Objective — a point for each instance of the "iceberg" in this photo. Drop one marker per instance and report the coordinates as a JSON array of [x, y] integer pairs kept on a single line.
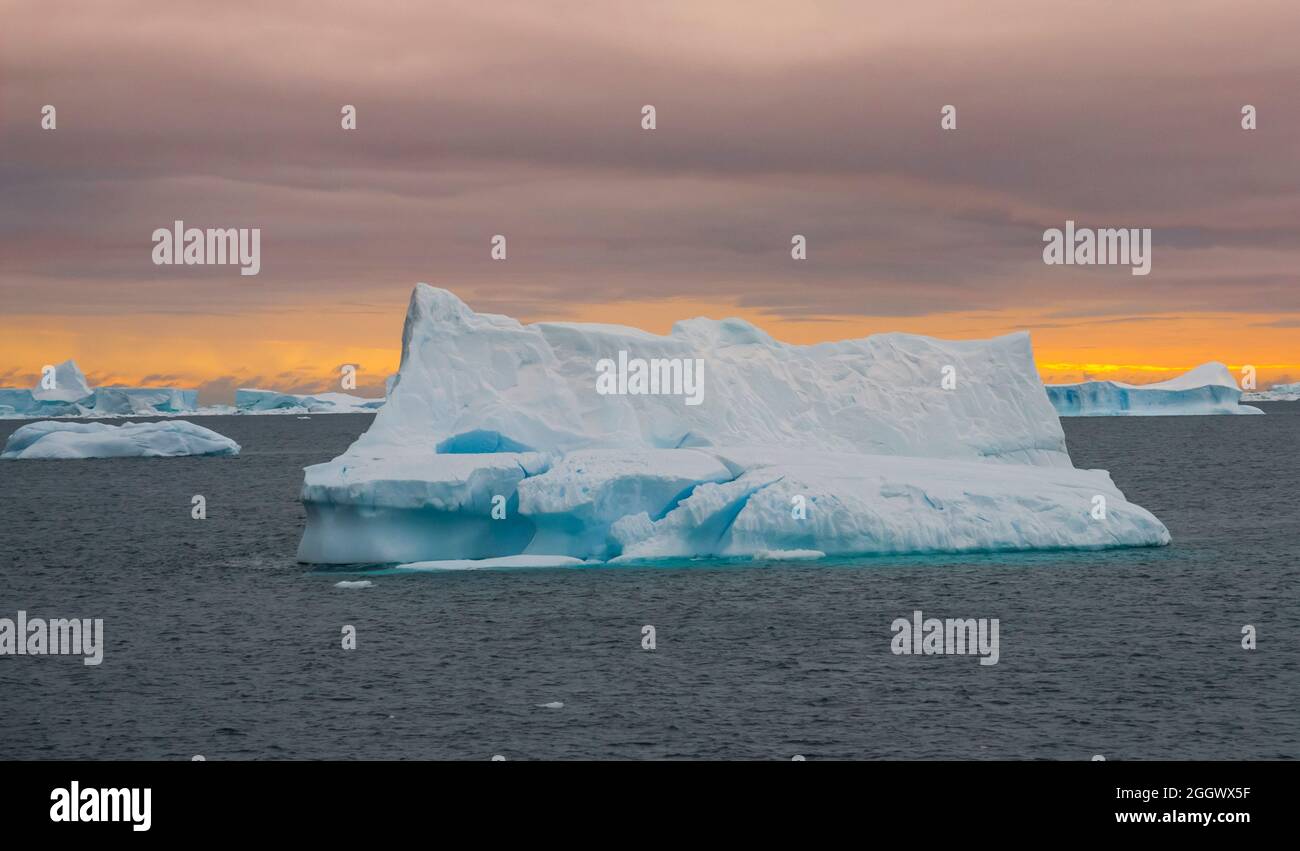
[[1207, 389], [71, 396], [65, 440], [250, 400], [69, 385], [1277, 393], [143, 401], [18, 402], [495, 443], [63, 399]]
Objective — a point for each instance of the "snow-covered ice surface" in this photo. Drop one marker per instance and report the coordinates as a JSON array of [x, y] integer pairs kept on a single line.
[[1207, 389], [254, 401], [495, 443], [1276, 393], [67, 440]]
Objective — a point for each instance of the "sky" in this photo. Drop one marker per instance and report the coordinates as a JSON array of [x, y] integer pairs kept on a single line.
[[524, 119]]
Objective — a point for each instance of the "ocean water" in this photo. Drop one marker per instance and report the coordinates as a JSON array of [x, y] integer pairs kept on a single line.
[[218, 643]]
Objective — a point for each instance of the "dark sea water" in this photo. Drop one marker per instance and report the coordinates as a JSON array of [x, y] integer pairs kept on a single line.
[[218, 643]]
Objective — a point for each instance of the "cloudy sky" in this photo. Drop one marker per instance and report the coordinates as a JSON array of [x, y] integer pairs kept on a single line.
[[524, 119]]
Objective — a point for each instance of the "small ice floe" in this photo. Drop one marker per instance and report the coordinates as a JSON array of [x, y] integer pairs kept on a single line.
[[502, 561], [361, 583], [171, 439], [554, 704], [788, 555], [304, 418]]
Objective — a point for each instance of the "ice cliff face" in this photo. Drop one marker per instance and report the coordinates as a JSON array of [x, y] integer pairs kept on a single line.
[[502, 439], [465, 376], [1207, 389]]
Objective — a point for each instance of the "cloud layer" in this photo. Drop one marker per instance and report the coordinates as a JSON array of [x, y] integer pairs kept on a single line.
[[523, 119]]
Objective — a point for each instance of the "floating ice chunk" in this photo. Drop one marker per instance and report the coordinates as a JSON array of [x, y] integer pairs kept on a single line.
[[131, 440], [363, 583], [554, 704], [494, 442], [485, 563], [1207, 389], [788, 555]]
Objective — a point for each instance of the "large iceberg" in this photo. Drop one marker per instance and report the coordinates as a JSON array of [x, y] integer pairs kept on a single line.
[[502, 439], [1207, 389], [64, 440], [250, 400], [72, 396]]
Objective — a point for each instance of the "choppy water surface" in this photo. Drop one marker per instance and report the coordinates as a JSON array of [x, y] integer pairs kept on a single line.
[[219, 644]]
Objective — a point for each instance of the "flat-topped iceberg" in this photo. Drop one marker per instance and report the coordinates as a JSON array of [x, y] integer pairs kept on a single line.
[[603, 442], [66, 440], [250, 400], [1207, 389], [143, 401]]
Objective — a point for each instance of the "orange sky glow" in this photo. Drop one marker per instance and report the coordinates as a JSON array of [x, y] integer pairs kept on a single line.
[[219, 353]]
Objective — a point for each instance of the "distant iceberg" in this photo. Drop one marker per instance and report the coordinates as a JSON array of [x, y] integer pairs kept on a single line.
[[1207, 389], [66, 398], [143, 401], [1276, 393], [65, 440], [69, 385], [71, 396], [253, 401], [496, 442]]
